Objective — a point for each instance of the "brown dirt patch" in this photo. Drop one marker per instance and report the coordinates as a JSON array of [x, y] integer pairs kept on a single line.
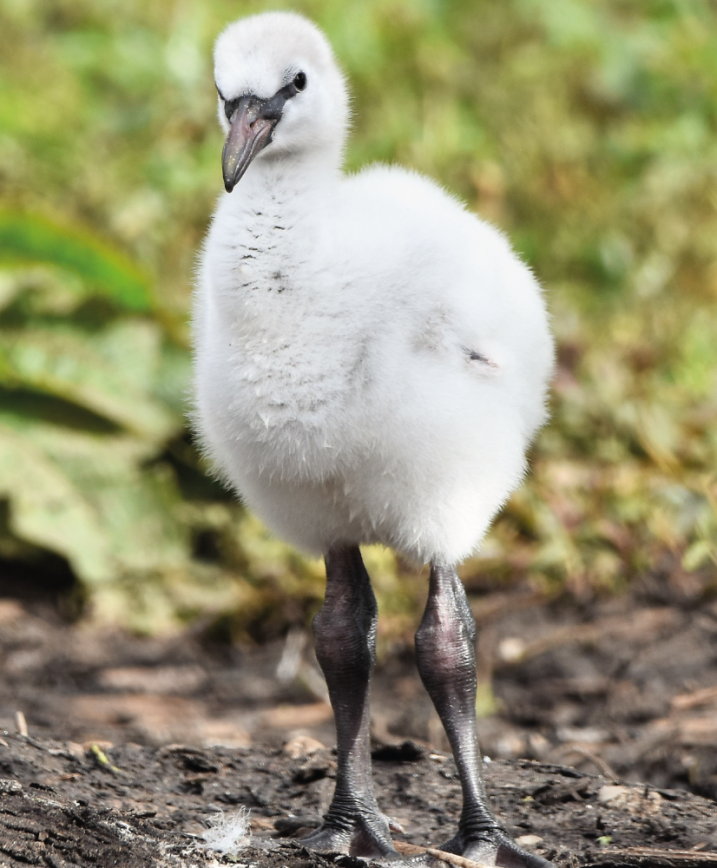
[[131, 805], [625, 686]]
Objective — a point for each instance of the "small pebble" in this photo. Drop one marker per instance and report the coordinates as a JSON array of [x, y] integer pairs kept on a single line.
[[301, 746], [528, 840], [511, 649]]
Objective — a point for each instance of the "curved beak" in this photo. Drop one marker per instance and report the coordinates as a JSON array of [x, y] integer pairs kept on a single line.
[[252, 124]]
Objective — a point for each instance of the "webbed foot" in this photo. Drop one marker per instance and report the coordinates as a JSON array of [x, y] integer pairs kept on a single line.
[[359, 832], [495, 847]]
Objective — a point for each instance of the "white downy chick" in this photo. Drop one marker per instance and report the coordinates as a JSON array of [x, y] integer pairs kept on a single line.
[[372, 360]]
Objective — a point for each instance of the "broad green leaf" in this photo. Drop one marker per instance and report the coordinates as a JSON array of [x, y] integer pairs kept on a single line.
[[133, 506], [136, 502], [48, 510], [65, 363], [29, 238]]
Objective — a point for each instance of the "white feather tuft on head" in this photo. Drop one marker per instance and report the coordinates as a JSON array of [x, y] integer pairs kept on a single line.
[[262, 53]]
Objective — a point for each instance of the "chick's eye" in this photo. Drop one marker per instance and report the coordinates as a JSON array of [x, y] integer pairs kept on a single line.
[[300, 80]]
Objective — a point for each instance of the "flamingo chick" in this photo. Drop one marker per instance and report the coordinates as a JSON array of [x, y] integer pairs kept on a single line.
[[371, 363]]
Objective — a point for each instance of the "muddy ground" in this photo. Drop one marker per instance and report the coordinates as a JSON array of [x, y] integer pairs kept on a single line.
[[134, 744], [62, 805]]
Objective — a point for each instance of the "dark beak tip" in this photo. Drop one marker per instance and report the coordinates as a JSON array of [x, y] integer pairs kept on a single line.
[[246, 137]]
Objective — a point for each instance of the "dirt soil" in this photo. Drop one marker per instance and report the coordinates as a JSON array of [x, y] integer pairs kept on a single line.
[[62, 805], [134, 744]]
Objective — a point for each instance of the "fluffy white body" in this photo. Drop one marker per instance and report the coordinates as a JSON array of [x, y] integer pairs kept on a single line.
[[371, 359]]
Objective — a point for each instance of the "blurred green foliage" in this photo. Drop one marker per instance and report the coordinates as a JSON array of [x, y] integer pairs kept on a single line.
[[585, 129]]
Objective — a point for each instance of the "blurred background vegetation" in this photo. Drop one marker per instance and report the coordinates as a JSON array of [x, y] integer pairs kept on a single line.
[[585, 129]]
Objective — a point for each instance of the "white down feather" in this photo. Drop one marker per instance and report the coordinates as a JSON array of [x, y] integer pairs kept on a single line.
[[372, 360]]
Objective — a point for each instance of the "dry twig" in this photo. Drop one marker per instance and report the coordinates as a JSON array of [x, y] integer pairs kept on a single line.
[[414, 850], [603, 767]]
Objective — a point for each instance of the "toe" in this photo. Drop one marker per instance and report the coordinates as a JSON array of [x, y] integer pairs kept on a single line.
[[367, 840], [368, 845], [501, 851], [328, 840]]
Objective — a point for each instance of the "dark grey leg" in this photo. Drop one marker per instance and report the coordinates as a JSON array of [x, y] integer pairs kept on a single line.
[[345, 631], [445, 653]]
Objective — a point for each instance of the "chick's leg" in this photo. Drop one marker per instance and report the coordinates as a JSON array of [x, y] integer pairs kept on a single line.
[[445, 653], [345, 631]]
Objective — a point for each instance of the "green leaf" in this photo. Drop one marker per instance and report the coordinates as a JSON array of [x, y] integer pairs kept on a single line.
[[85, 370], [30, 239], [48, 510], [78, 493], [135, 502], [697, 554]]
